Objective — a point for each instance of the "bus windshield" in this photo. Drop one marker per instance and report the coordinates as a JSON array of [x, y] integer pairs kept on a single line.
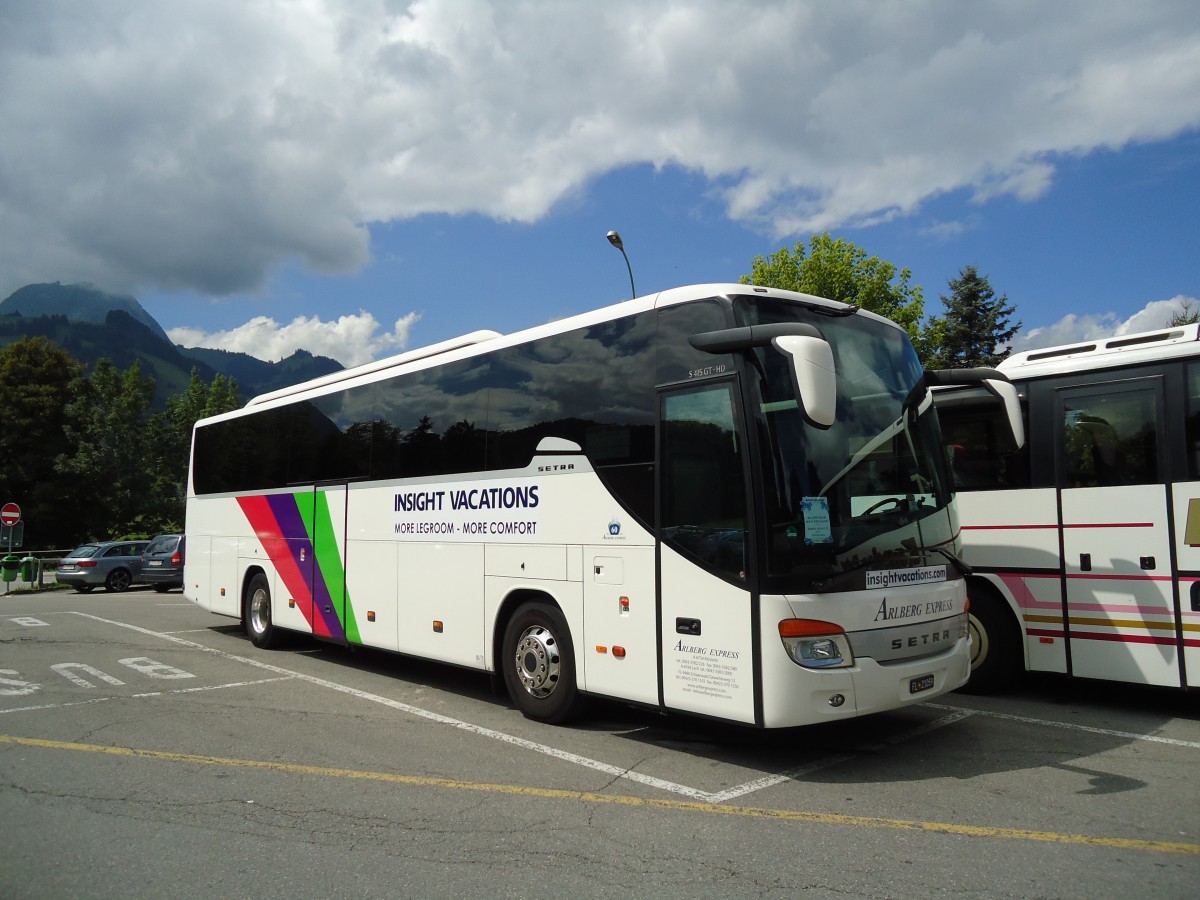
[[871, 491]]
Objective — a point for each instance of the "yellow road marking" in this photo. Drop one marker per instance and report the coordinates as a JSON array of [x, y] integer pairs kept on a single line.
[[787, 815]]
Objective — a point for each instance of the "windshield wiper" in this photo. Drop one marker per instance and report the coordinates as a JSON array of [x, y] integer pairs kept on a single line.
[[962, 567]]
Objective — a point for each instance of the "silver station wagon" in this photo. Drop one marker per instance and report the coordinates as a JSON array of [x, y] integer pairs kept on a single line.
[[114, 564]]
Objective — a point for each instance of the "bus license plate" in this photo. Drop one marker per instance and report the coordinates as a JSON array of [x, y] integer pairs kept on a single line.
[[923, 683]]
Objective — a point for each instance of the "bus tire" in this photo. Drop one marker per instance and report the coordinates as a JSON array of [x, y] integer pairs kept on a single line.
[[997, 659], [538, 662], [256, 613]]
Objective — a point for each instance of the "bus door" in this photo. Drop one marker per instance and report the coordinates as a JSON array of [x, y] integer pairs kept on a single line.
[[322, 560], [705, 607], [1120, 603], [281, 523]]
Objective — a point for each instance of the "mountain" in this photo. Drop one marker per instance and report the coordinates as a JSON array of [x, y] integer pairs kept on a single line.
[[91, 324], [268, 376], [78, 302]]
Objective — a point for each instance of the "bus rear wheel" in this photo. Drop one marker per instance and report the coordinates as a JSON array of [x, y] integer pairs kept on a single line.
[[997, 660], [256, 613], [538, 662]]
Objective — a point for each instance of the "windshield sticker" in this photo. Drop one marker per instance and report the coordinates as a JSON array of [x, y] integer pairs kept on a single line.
[[885, 578], [817, 529]]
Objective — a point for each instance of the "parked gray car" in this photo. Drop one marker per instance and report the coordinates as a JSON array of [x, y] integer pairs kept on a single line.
[[114, 564], [162, 562]]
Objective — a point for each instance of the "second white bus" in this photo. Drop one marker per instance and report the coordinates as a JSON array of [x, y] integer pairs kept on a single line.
[[1085, 544]]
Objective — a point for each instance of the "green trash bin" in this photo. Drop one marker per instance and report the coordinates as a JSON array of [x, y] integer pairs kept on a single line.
[[29, 569], [10, 568]]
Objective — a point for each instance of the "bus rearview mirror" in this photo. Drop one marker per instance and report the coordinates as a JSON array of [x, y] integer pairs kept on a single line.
[[1006, 392], [813, 376], [996, 383], [814, 379]]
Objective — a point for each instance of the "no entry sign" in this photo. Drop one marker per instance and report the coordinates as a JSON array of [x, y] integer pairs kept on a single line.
[[10, 514]]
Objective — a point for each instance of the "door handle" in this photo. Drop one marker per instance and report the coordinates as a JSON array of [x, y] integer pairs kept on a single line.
[[687, 626], [1085, 562]]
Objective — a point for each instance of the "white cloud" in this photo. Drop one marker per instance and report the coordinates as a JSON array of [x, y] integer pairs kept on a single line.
[[351, 340], [1076, 328], [199, 145], [944, 231]]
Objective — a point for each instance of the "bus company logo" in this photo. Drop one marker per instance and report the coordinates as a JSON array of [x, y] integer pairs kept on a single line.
[[941, 635], [614, 531]]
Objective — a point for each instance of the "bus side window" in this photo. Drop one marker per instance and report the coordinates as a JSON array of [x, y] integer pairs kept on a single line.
[[1094, 458], [1110, 440], [1192, 424], [703, 490]]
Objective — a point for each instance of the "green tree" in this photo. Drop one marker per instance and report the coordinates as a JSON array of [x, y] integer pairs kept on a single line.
[[37, 381], [975, 329], [1187, 314], [169, 443], [107, 464], [838, 269], [78, 453]]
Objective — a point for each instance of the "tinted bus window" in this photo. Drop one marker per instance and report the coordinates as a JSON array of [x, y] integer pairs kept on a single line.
[[331, 437], [593, 386], [1193, 421], [1110, 438], [678, 360], [430, 422], [245, 454], [704, 493]]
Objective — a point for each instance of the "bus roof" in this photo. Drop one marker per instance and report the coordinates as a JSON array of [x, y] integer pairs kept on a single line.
[[461, 346], [1146, 346], [466, 340]]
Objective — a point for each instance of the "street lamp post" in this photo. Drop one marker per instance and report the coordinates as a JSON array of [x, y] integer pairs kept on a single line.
[[615, 240]]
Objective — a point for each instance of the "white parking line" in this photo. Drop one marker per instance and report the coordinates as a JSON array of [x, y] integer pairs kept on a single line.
[[190, 631], [1072, 726]]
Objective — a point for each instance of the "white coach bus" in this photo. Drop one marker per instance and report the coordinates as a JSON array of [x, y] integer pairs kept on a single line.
[[1085, 544], [629, 503]]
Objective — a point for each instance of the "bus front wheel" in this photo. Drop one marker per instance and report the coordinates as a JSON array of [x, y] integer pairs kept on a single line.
[[538, 661], [256, 613], [997, 659]]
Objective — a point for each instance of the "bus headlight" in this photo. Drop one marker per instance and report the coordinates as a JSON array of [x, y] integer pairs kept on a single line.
[[815, 644]]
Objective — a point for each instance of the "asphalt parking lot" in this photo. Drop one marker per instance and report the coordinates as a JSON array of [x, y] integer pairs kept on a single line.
[[148, 749]]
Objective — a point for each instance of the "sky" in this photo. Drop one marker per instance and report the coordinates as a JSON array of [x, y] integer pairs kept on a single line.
[[360, 178]]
